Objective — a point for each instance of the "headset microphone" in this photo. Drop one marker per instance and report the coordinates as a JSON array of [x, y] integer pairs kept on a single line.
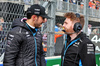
[[60, 25], [68, 32], [77, 28]]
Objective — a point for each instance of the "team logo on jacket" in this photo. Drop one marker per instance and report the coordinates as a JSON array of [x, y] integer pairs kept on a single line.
[[90, 49], [27, 34], [10, 37], [76, 44]]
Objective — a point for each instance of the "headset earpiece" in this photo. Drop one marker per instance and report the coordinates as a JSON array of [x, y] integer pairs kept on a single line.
[[77, 27]]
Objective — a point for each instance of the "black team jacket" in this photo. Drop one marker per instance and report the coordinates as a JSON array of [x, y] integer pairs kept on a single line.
[[21, 49], [81, 49]]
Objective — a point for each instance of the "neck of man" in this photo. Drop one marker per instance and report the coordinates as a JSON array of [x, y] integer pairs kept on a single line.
[[73, 36], [30, 22]]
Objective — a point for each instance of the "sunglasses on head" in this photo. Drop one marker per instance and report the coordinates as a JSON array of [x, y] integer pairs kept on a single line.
[[77, 15]]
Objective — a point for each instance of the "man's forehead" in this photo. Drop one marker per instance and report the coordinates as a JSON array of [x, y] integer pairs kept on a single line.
[[67, 20]]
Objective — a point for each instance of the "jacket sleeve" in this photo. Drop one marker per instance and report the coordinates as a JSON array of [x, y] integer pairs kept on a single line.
[[43, 62], [12, 49], [87, 54]]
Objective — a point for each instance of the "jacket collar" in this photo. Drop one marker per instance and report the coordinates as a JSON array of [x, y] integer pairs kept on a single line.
[[81, 35]]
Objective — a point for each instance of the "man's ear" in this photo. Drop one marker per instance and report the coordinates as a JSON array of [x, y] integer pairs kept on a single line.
[[34, 17]]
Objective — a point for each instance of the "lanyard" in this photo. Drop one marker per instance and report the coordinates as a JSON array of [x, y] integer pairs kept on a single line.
[[35, 41], [31, 30], [65, 48]]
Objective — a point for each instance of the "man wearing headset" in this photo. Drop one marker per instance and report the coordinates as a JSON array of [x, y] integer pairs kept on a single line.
[[78, 49], [24, 41]]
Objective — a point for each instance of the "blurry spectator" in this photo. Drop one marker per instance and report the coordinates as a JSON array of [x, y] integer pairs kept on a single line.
[[58, 33], [45, 39], [57, 28], [1, 34], [97, 4], [79, 2], [45, 42], [72, 1], [89, 30], [1, 28], [60, 26], [92, 4], [27, 1], [95, 31], [76, 1], [82, 2], [65, 0], [1, 19]]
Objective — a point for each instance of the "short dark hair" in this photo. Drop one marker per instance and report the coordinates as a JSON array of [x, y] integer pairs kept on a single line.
[[28, 15]]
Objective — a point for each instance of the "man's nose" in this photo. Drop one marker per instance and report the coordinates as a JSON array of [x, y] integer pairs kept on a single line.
[[63, 25], [45, 20]]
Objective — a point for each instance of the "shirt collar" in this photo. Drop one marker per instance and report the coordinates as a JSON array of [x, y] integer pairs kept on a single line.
[[31, 26]]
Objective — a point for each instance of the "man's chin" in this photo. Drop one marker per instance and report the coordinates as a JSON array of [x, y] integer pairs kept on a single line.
[[39, 26]]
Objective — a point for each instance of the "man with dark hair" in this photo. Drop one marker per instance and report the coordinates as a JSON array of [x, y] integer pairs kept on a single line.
[[24, 41], [78, 49], [2, 36]]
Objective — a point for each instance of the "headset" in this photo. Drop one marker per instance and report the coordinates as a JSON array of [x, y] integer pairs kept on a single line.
[[77, 27]]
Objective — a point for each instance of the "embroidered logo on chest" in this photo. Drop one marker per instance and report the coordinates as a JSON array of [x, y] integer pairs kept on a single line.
[[76, 44], [27, 34]]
